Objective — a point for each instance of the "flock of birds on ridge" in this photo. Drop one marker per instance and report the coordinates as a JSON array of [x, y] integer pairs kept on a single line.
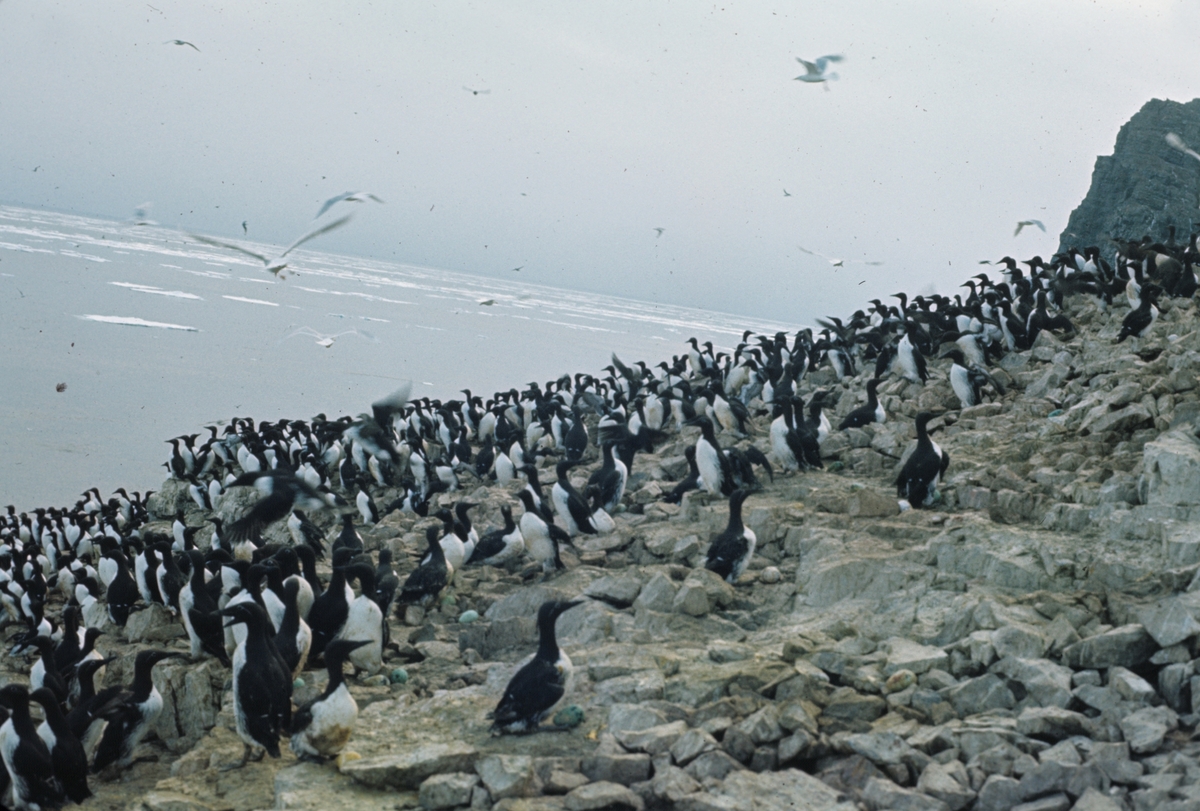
[[262, 609]]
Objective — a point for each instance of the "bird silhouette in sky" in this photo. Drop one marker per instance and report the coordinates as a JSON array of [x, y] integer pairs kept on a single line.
[[181, 42], [837, 263], [347, 197], [475, 92], [277, 264], [1024, 223], [818, 72]]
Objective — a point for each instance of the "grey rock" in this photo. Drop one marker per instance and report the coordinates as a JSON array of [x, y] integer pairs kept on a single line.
[[691, 599], [1127, 646], [447, 790], [619, 590], [1113, 759], [1047, 684], [716, 764], [793, 716], [1063, 752], [1052, 723], [1045, 778], [938, 781], [1093, 800], [508, 776], [738, 744], [672, 784], [987, 692], [653, 740], [615, 768], [691, 744], [1055, 802], [1087, 776], [1019, 641], [881, 748], [847, 705], [1170, 621], [904, 654], [1129, 685], [884, 795], [1173, 681], [871, 503], [763, 725], [152, 624], [657, 595], [630, 717], [797, 745], [1146, 728], [407, 770], [1171, 465], [998, 793], [598, 795], [769, 791]]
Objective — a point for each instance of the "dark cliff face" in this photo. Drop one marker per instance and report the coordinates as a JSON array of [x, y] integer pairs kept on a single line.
[[1145, 186]]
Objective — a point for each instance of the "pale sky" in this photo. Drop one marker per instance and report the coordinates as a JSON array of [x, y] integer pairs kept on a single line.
[[949, 123]]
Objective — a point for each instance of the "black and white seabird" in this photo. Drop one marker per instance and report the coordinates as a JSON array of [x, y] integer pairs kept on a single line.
[[918, 480], [138, 710], [426, 582], [570, 505], [542, 537], [499, 546], [871, 411], [537, 688], [26, 758], [262, 685], [322, 727], [1139, 321], [66, 752], [730, 552], [364, 621]]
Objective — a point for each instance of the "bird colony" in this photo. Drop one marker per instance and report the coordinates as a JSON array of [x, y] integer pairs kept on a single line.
[[807, 566]]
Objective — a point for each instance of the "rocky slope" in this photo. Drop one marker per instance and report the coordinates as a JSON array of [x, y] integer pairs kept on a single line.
[[1145, 185], [1029, 643]]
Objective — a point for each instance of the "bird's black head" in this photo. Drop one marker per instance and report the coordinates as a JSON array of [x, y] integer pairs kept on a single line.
[[149, 658], [13, 695], [552, 609], [250, 613]]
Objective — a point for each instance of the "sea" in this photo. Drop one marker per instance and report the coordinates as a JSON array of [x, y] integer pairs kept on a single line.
[[116, 336]]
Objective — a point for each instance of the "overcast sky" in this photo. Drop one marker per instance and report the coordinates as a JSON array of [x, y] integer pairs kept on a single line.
[[950, 122]]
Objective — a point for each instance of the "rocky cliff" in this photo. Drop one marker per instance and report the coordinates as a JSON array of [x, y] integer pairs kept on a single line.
[[1145, 186]]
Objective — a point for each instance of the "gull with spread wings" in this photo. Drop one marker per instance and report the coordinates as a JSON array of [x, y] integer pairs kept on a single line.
[[837, 263], [818, 72], [327, 340], [1024, 223], [347, 197], [277, 264]]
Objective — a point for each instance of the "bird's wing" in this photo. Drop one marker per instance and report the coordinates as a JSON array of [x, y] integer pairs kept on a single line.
[[332, 201], [394, 402], [1038, 223], [309, 331], [219, 244], [316, 232], [1178, 143], [825, 60], [1020, 225], [812, 70]]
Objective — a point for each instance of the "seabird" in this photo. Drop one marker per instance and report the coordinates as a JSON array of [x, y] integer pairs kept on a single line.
[[730, 552], [346, 197], [816, 72], [276, 265], [322, 727], [1024, 223], [918, 480], [535, 689], [181, 42]]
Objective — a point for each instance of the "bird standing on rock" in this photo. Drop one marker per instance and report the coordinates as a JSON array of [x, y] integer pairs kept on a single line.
[[918, 480], [322, 727], [262, 685], [537, 688], [731, 551]]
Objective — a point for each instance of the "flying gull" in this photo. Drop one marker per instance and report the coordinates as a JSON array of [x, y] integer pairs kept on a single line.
[[181, 42], [1178, 143], [837, 263], [815, 72], [276, 265], [1024, 223], [475, 92], [660, 232], [347, 197], [327, 340]]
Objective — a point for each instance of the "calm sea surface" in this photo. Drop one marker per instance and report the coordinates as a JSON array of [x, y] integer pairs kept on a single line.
[[155, 335]]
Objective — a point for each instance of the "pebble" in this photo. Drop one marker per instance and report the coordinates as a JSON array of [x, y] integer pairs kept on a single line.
[[770, 574], [469, 616]]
